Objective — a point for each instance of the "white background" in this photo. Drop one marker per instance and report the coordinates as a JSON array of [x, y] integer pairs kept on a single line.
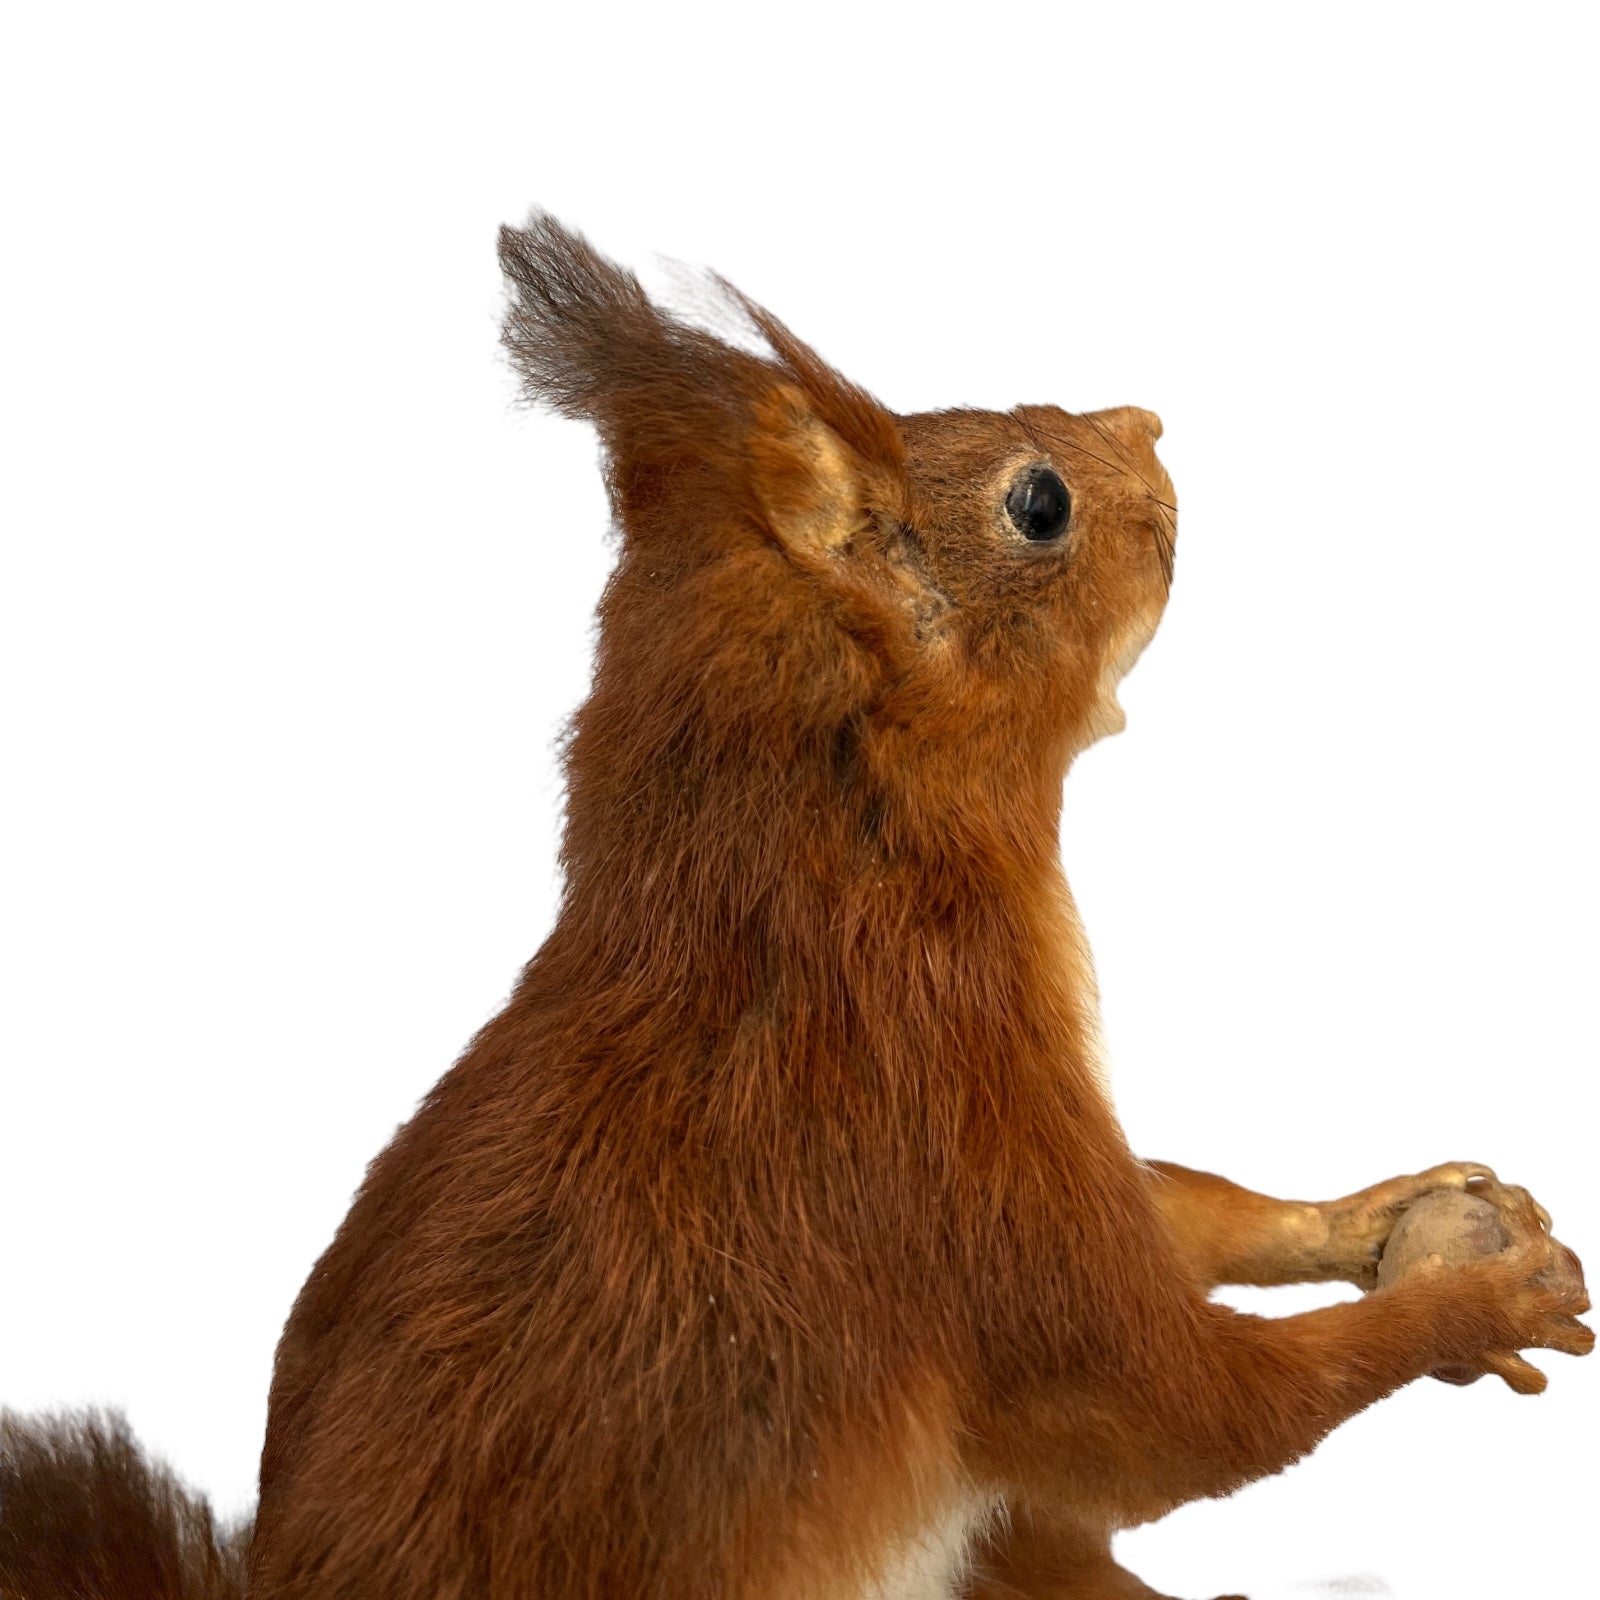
[[296, 600]]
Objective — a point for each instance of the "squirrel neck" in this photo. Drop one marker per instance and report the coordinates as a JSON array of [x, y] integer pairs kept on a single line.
[[781, 890], [777, 852]]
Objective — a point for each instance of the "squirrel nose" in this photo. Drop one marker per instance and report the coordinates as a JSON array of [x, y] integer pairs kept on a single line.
[[1131, 424]]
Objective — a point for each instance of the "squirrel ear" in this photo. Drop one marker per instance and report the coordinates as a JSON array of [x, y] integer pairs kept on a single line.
[[686, 418], [827, 453], [811, 491]]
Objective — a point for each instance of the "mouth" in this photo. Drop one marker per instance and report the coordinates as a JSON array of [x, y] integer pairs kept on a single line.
[[1107, 717]]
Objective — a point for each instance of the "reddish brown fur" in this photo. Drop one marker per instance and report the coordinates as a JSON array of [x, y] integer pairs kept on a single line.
[[84, 1517], [780, 1218]]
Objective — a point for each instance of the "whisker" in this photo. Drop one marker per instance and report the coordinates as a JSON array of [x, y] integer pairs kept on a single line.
[[1127, 460]]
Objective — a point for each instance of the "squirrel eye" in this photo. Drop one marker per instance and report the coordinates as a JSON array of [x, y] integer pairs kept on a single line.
[[1038, 504]]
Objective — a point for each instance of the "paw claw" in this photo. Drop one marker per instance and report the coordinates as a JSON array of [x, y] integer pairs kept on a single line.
[[1520, 1376], [1572, 1337]]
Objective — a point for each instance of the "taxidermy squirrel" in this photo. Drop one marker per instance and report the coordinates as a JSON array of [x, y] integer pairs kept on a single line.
[[777, 1239]]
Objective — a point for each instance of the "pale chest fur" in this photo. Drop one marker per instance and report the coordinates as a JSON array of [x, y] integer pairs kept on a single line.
[[938, 1562]]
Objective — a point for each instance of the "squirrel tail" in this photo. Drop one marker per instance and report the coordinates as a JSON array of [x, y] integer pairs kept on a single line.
[[84, 1513]]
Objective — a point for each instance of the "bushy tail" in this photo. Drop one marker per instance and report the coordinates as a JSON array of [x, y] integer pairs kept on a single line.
[[85, 1516]]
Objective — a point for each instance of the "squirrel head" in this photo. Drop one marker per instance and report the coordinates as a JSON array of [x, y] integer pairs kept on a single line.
[[931, 610]]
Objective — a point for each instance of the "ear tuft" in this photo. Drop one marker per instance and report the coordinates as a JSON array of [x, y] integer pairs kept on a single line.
[[586, 338], [569, 305], [683, 415]]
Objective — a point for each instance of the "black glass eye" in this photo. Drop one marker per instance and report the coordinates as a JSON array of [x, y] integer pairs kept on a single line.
[[1038, 504]]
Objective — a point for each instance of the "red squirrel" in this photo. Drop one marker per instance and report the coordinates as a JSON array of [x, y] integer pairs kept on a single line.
[[778, 1239]]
